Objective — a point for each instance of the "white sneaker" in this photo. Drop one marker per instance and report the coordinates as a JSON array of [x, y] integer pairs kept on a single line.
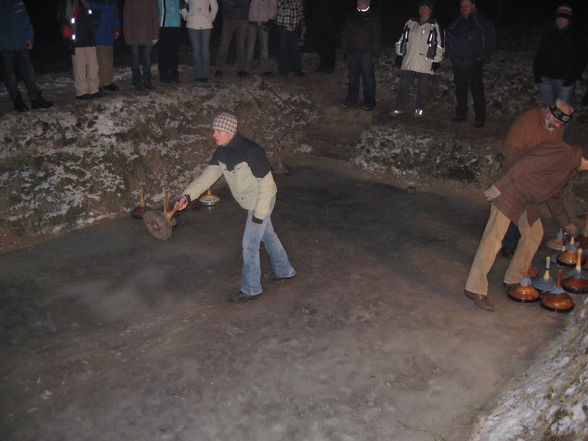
[[418, 113], [396, 113]]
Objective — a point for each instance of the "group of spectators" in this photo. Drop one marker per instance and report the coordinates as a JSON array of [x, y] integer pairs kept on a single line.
[[90, 28]]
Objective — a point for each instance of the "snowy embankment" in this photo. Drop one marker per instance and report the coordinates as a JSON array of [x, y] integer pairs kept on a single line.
[[72, 166]]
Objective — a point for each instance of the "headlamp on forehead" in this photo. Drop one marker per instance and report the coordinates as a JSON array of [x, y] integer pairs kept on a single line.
[[559, 115]]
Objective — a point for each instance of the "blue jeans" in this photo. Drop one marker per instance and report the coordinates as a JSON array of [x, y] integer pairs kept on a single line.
[[252, 237], [145, 78], [20, 58], [200, 41], [551, 89], [360, 65]]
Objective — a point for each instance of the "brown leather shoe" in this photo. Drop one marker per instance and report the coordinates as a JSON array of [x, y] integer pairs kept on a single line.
[[480, 300]]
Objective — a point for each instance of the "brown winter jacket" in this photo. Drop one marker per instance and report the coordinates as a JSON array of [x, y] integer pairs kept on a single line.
[[140, 21], [536, 177], [526, 132]]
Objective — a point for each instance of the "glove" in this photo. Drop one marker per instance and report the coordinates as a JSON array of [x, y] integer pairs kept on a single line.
[[398, 61], [116, 33], [435, 67], [491, 193], [567, 83], [66, 31], [571, 229]]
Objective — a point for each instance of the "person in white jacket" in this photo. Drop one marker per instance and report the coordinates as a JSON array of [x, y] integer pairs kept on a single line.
[[199, 16], [261, 15], [419, 51]]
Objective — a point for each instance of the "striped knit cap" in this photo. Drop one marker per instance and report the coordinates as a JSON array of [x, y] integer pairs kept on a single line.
[[227, 122], [564, 11]]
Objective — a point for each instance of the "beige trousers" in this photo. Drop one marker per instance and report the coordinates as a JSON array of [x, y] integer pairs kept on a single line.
[[105, 61], [490, 244], [85, 70]]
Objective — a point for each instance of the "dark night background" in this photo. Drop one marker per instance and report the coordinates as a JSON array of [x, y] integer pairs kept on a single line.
[[519, 25]]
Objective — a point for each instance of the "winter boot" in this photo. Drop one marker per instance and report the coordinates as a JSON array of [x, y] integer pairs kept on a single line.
[[19, 104], [40, 103]]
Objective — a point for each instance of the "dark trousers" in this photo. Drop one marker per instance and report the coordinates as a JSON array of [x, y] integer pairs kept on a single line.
[[21, 58], [406, 80], [470, 79], [327, 49], [145, 78], [360, 65], [289, 58], [512, 236], [169, 49]]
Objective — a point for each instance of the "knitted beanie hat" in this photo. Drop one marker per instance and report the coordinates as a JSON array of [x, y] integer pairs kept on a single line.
[[227, 122], [564, 11]]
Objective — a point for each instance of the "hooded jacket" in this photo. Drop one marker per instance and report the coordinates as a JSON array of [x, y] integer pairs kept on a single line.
[[15, 25], [421, 45]]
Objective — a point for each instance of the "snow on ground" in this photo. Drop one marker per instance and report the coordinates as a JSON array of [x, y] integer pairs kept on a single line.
[[74, 164]]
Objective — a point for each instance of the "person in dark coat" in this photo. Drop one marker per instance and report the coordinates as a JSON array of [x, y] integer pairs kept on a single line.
[[471, 40], [16, 40], [289, 23], [536, 177], [560, 60], [326, 17], [361, 42], [141, 32], [107, 23], [235, 14]]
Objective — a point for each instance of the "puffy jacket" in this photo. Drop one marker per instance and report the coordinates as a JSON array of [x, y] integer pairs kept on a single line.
[[77, 26], [106, 21], [263, 10], [235, 9], [15, 26], [169, 13], [470, 40], [141, 21], [421, 45], [200, 14], [561, 54], [246, 169]]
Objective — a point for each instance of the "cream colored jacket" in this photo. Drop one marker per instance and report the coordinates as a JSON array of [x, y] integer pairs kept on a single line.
[[415, 58], [200, 14]]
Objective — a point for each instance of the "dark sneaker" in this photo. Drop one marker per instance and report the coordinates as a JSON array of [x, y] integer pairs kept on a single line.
[[300, 74], [480, 301], [202, 80], [458, 118], [241, 297], [218, 73], [84, 97], [98, 94], [242, 74], [148, 86], [267, 73], [111, 87], [41, 103], [139, 87], [345, 105], [479, 124], [272, 276], [19, 104], [367, 107]]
